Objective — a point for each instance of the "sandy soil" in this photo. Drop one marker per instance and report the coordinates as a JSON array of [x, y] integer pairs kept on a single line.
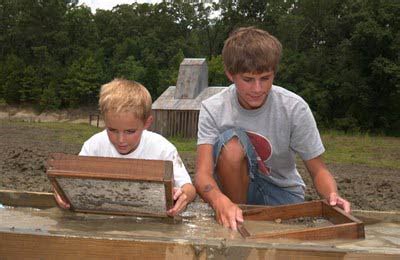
[[24, 152]]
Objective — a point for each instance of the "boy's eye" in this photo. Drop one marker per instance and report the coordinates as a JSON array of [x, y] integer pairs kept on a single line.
[[111, 130], [130, 131], [247, 79]]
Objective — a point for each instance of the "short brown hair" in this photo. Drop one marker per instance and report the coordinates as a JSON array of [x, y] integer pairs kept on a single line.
[[121, 95], [253, 50]]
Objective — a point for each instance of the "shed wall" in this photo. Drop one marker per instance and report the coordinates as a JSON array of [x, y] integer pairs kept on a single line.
[[182, 123]]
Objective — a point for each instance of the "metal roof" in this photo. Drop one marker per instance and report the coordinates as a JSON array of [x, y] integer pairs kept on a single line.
[[167, 100]]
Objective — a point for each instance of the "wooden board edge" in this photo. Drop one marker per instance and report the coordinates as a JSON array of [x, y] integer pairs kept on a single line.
[[121, 213], [44, 246], [56, 161], [68, 157], [60, 192], [305, 209], [243, 231], [17, 198], [337, 215], [93, 175], [344, 231]]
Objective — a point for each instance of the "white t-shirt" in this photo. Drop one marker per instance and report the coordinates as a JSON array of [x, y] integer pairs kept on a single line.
[[284, 120], [152, 146]]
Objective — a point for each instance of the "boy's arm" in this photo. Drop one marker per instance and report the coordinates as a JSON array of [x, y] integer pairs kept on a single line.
[[227, 213], [325, 184]]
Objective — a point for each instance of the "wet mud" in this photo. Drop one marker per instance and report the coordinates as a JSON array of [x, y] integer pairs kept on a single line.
[[24, 152]]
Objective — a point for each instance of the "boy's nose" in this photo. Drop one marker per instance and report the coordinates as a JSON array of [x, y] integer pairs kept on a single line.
[[257, 85], [121, 137]]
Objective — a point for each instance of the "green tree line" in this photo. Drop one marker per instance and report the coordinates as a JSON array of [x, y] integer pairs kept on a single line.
[[341, 56]]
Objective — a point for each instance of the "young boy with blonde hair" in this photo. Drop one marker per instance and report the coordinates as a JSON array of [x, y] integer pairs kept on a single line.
[[126, 109], [250, 133]]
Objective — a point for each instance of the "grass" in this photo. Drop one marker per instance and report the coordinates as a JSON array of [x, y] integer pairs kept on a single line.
[[184, 145], [76, 133], [374, 151], [364, 149]]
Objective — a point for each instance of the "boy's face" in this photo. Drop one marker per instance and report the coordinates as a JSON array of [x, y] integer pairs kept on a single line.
[[124, 130], [252, 89]]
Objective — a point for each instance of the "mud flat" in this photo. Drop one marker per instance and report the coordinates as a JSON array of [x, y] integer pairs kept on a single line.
[[24, 152]]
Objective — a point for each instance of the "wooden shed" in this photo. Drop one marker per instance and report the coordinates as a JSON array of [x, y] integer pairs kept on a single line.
[[176, 111]]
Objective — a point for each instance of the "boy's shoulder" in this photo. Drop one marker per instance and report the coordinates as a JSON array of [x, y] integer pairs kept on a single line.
[[99, 137], [153, 137], [286, 96], [222, 95], [278, 90], [150, 135]]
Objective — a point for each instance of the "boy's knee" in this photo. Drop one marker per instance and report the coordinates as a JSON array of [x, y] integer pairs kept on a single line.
[[232, 151]]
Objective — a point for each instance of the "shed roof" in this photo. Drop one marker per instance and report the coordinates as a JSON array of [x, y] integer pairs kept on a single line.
[[167, 100]]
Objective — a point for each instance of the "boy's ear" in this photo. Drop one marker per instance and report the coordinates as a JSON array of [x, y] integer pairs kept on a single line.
[[148, 122], [229, 75]]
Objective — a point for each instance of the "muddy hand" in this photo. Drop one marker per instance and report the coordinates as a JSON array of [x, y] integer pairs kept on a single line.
[[336, 200], [228, 213], [181, 201]]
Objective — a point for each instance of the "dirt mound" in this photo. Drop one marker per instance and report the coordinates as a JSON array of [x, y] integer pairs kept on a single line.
[[31, 115], [24, 152]]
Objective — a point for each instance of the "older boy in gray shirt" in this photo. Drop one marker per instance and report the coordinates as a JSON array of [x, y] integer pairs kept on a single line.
[[249, 135]]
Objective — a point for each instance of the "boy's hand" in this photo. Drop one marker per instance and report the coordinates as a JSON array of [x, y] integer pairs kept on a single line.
[[63, 204], [228, 213], [335, 200], [181, 201]]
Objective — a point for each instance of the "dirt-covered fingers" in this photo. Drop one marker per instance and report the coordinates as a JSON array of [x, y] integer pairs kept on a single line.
[[344, 204], [230, 217], [177, 193], [180, 203], [335, 200]]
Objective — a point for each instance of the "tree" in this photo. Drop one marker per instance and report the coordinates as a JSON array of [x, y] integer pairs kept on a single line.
[[130, 69], [50, 99], [216, 74], [13, 72], [81, 87]]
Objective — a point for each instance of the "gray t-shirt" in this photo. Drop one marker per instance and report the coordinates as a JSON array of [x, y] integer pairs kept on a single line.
[[285, 120]]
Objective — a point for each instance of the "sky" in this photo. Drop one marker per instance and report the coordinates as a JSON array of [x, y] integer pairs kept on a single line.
[[109, 4]]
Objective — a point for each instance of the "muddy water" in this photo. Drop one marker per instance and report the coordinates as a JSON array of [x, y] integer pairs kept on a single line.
[[57, 221], [196, 226]]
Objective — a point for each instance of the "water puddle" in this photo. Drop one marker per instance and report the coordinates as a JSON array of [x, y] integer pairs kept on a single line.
[[196, 224]]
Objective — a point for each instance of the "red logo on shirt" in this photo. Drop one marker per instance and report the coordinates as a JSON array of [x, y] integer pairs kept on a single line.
[[263, 149]]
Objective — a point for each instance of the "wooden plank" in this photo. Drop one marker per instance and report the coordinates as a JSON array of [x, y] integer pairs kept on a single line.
[[26, 246], [196, 121], [168, 188], [343, 231], [179, 123], [45, 246], [113, 168], [32, 199], [337, 215], [171, 121], [311, 209]]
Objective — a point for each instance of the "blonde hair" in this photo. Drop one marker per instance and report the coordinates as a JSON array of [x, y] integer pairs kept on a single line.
[[253, 50], [121, 95]]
